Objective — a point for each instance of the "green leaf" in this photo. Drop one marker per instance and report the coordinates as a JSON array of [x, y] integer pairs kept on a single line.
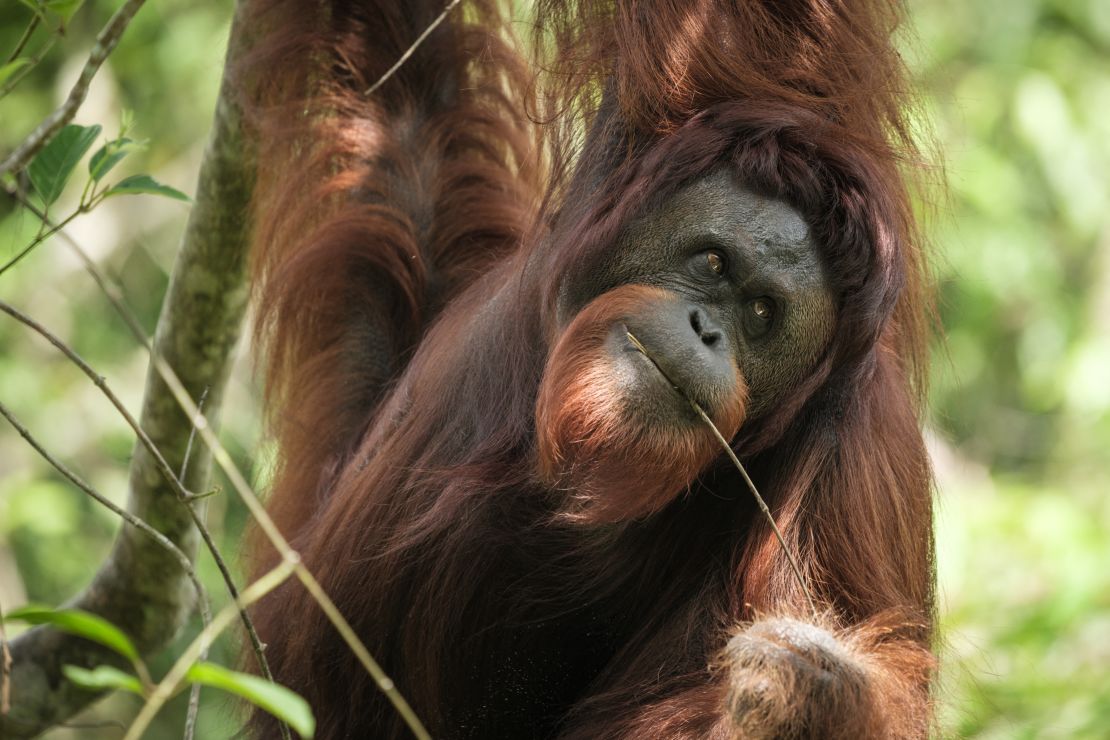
[[274, 698], [78, 622], [137, 184], [126, 121], [11, 68], [109, 155], [52, 167], [64, 8], [103, 677]]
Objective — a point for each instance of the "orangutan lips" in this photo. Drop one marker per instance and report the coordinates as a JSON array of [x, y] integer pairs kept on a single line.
[[735, 461]]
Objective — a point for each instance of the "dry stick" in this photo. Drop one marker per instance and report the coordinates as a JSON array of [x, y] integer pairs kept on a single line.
[[412, 49], [106, 41], [165, 689], [192, 435], [160, 463], [127, 516], [331, 611], [735, 461]]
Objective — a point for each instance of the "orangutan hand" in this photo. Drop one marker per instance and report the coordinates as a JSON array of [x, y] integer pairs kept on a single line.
[[794, 679]]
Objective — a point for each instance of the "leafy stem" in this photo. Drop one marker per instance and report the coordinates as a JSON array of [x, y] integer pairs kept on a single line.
[[27, 33]]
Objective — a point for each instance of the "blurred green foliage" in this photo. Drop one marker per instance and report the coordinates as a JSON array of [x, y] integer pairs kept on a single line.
[[1018, 93]]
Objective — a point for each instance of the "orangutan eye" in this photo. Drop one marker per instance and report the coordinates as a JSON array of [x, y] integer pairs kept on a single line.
[[716, 261], [763, 308]]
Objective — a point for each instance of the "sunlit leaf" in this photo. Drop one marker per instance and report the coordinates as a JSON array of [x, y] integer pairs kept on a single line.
[[51, 168], [109, 155], [137, 184], [126, 122], [274, 698], [103, 677], [78, 622]]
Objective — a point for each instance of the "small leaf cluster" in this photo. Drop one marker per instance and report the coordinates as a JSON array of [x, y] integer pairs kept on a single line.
[[53, 167]]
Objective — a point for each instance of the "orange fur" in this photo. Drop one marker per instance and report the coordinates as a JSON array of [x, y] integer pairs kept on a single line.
[[409, 251], [613, 464]]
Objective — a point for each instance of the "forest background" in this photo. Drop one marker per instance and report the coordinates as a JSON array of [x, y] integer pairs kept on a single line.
[[1018, 95]]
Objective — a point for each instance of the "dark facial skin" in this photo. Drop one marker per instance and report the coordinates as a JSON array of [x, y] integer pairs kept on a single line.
[[748, 283]]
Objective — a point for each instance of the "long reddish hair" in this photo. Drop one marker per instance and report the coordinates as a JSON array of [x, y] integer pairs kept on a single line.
[[408, 263]]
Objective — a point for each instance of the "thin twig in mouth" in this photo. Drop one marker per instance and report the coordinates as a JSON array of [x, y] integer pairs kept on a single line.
[[739, 466]]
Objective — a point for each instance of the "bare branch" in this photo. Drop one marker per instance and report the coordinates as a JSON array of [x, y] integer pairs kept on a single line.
[[183, 559], [110, 290], [99, 381], [411, 50], [194, 692]]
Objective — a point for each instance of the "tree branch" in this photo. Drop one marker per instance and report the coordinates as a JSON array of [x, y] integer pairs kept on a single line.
[[142, 588]]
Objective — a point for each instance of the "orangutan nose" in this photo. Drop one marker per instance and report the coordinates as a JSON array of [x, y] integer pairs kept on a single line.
[[704, 326], [689, 347]]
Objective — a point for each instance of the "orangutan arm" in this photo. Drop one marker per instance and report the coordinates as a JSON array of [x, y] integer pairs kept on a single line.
[[780, 677]]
